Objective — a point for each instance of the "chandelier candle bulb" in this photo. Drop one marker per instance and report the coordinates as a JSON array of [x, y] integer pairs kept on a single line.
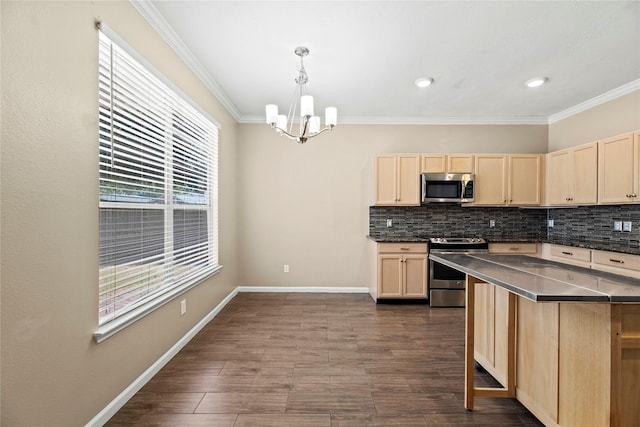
[[330, 116], [282, 122], [271, 113], [306, 105], [314, 125]]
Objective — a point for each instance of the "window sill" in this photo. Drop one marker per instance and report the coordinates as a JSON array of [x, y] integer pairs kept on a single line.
[[114, 326]]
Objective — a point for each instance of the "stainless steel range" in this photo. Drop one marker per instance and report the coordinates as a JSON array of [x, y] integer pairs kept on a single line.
[[446, 285]]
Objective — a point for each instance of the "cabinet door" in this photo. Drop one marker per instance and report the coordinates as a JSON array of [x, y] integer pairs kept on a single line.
[[460, 163], [490, 183], [484, 326], [390, 275], [408, 180], [525, 179], [537, 358], [386, 173], [616, 169], [558, 177], [415, 276], [585, 174], [434, 163]]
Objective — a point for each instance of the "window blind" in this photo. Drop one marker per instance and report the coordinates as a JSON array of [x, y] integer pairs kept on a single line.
[[158, 168]]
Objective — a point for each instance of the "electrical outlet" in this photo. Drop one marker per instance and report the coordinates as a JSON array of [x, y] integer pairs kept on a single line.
[[286, 268], [389, 223], [183, 307], [550, 223], [626, 226], [617, 225], [492, 223]]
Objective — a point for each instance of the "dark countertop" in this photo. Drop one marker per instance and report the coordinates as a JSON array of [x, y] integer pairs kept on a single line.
[[543, 280], [393, 238], [397, 239]]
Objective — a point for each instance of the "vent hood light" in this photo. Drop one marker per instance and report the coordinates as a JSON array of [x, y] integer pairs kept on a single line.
[[424, 81], [536, 82]]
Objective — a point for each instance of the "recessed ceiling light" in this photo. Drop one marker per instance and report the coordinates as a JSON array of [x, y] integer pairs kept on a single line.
[[424, 81], [536, 82]]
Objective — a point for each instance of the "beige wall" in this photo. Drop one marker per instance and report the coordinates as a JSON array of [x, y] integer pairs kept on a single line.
[[308, 205], [53, 374], [611, 118]]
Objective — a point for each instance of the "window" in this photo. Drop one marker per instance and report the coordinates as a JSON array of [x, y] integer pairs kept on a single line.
[[158, 189]]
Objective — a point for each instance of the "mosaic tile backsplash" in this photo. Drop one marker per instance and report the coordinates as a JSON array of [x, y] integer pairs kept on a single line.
[[589, 226], [592, 227], [450, 220]]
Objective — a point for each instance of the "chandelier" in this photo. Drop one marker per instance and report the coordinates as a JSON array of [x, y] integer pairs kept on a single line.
[[309, 125]]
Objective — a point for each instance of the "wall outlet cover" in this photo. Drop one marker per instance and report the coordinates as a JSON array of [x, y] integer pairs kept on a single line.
[[550, 223], [626, 226], [617, 225]]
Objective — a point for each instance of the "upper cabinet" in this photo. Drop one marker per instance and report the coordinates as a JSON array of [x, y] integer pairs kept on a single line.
[[618, 164], [572, 176], [447, 163], [397, 180], [512, 180]]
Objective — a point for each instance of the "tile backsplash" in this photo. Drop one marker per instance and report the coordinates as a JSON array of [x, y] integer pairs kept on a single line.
[[592, 226], [451, 220], [588, 226]]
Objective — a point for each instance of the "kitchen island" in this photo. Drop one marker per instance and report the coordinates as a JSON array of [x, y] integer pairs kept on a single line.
[[563, 340]]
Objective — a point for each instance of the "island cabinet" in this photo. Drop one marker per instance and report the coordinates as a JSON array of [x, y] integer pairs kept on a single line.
[[447, 163], [397, 180], [572, 176], [618, 166], [508, 180], [491, 320], [578, 364], [399, 270]]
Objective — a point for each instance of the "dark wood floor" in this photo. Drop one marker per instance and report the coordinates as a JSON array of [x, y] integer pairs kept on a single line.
[[320, 360]]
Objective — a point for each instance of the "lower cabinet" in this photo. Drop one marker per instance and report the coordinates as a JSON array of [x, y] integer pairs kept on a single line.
[[537, 358], [490, 333], [399, 270]]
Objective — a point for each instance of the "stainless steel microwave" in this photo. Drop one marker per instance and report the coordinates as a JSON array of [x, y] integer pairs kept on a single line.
[[447, 187]]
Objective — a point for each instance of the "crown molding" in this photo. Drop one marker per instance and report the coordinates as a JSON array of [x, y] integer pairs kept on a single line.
[[598, 100], [158, 23], [425, 120]]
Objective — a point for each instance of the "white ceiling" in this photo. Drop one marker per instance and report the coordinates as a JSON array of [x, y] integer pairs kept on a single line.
[[366, 55]]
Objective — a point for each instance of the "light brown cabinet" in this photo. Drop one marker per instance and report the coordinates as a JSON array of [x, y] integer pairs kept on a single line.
[[447, 163], [400, 270], [490, 334], [572, 176], [511, 180], [397, 180], [618, 164], [516, 248]]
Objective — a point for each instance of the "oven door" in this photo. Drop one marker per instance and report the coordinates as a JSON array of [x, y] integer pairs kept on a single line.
[[445, 277]]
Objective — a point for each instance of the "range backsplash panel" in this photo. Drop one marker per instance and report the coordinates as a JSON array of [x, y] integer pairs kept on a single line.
[[592, 227], [451, 220]]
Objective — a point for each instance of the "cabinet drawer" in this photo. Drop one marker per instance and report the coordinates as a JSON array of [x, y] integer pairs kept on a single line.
[[612, 259], [403, 248], [513, 248], [567, 252]]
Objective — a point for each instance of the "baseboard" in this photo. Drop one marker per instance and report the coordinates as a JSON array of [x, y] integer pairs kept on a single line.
[[307, 289], [114, 406]]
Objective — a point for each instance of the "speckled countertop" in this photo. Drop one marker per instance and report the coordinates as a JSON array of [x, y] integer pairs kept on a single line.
[[395, 238]]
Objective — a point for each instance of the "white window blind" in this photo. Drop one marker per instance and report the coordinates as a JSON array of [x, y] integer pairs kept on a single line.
[[158, 187]]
